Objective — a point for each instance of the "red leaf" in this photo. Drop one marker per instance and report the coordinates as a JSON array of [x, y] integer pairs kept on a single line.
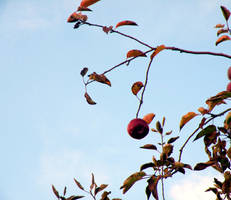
[[86, 3], [125, 23], [135, 53]]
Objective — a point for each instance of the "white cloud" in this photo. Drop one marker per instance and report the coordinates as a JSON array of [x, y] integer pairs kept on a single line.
[[192, 187]]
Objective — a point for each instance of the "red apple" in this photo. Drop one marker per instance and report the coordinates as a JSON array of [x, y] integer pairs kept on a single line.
[[229, 73], [137, 128], [228, 87]]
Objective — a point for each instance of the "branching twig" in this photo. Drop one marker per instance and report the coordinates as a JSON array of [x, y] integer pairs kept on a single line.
[[210, 119]]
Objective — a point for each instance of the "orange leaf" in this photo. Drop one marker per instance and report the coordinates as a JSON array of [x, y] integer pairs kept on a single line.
[[148, 118], [222, 39], [100, 78], [86, 3], [202, 110], [135, 53], [157, 50], [186, 118], [219, 26], [136, 87], [89, 100], [126, 22], [76, 16]]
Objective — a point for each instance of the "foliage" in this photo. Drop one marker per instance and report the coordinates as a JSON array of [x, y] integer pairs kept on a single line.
[[216, 138]]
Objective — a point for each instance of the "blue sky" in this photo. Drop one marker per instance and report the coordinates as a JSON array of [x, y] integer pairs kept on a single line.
[[49, 134]]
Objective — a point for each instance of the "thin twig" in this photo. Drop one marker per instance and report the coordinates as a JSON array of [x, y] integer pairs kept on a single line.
[[145, 85], [210, 119]]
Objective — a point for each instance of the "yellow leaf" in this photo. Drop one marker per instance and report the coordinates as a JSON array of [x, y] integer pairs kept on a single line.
[[86, 3], [202, 110], [89, 100], [148, 118], [157, 50], [99, 78], [125, 23], [219, 26], [222, 39], [186, 118], [135, 53], [136, 87]]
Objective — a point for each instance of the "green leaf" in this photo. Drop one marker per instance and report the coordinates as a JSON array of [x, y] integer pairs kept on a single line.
[[130, 181], [209, 129], [173, 139]]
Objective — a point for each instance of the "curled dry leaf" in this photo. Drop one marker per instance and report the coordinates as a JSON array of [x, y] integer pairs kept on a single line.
[[136, 87], [83, 71], [129, 182], [157, 50], [222, 39], [80, 8], [86, 3], [89, 100], [99, 78], [186, 118], [225, 12], [107, 29], [74, 17], [148, 118], [125, 23], [219, 26], [220, 31], [135, 53]]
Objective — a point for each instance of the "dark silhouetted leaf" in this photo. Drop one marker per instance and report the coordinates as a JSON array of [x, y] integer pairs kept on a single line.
[[221, 31], [200, 166], [55, 191], [214, 190], [169, 133], [173, 139], [74, 197], [78, 184], [83, 71], [100, 188], [80, 8], [93, 184], [218, 183], [163, 121], [146, 165], [186, 118], [149, 146], [125, 23], [148, 192], [129, 182], [99, 78], [64, 191], [104, 195], [225, 12], [88, 98], [209, 129], [152, 186], [159, 127]]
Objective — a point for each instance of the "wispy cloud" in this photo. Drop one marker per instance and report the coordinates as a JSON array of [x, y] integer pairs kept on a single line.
[[192, 187]]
